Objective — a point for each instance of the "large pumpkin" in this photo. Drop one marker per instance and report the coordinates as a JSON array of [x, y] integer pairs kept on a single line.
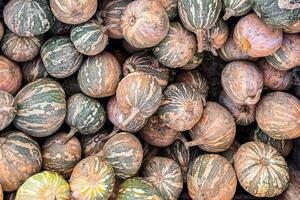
[[7, 109], [234, 8], [34, 70]]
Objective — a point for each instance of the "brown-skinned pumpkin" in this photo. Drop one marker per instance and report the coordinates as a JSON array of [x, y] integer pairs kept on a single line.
[[7, 109]]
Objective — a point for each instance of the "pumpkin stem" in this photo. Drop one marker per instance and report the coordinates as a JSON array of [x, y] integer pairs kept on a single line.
[[134, 112], [130, 68], [214, 52], [70, 134], [194, 143], [228, 13], [200, 39]]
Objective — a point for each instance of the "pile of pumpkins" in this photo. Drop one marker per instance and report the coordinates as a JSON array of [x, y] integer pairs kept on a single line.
[[149, 99]]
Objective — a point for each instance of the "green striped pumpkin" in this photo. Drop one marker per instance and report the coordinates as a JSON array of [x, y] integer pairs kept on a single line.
[[235, 8], [34, 70], [165, 174], [60, 28], [194, 62], [41, 107], [70, 85], [138, 188], [60, 57], [261, 170], [170, 7], [7, 109], [44, 185]]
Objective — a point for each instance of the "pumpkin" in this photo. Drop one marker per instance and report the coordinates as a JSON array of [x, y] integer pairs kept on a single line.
[[34, 70], [144, 62], [215, 132], [194, 62], [7, 109], [199, 16], [292, 192], [278, 114], [293, 28], [73, 12], [1, 193], [92, 178], [44, 185], [129, 48], [170, 7], [1, 30], [229, 153], [70, 85], [10, 76], [89, 38], [165, 174], [149, 151], [60, 28], [243, 114], [61, 157], [114, 194], [20, 158], [211, 176], [41, 108], [235, 8], [28, 18], [138, 188], [242, 81], [99, 75], [261, 170], [144, 23], [177, 48], [287, 56], [60, 57]]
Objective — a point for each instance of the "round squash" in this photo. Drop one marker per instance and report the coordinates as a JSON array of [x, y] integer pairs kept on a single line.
[[292, 192], [44, 185], [229, 153], [70, 85], [144, 23], [1, 30], [235, 8], [278, 115], [34, 70], [7, 109], [99, 75], [41, 108], [293, 28], [20, 158], [194, 62], [261, 170], [242, 81], [211, 176], [60, 28], [177, 48], [170, 7]]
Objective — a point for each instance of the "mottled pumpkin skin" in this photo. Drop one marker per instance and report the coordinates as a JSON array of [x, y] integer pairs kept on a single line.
[[255, 37], [92, 178], [41, 108], [144, 23], [211, 176], [293, 28], [287, 56], [60, 28], [7, 109], [229, 153], [34, 70], [1, 30], [292, 192], [278, 114], [261, 170], [70, 85], [44, 185], [99, 75], [177, 48], [215, 131], [165, 174], [60, 57], [234, 8], [73, 12], [194, 62], [28, 18], [242, 81], [20, 158]]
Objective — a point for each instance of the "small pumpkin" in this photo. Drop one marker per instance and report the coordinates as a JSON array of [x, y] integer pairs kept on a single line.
[[60, 28], [231, 151], [170, 7], [70, 85], [7, 109], [194, 62], [235, 8], [34, 70], [1, 30], [293, 28], [292, 192]]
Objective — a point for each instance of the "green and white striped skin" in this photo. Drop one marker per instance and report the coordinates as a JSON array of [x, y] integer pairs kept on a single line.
[[235, 8], [138, 188], [211, 176], [34, 70], [44, 185], [7, 109], [99, 75], [93, 178], [165, 174], [89, 38], [28, 18], [20, 158], [198, 16], [60, 57], [41, 108], [261, 170], [177, 48]]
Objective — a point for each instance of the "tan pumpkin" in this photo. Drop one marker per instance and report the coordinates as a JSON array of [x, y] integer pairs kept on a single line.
[[293, 28]]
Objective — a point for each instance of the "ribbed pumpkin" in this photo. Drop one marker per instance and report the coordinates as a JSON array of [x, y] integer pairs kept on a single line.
[[255, 37], [170, 7], [278, 114], [293, 28], [60, 156], [287, 56], [215, 131], [73, 12], [261, 170], [211, 176], [1, 30], [144, 23], [235, 8], [20, 158], [242, 81], [92, 178], [177, 48], [44, 185], [28, 18], [165, 174], [292, 192], [70, 85], [99, 75], [194, 62], [199, 16], [60, 28], [229, 153], [41, 108], [243, 114], [7, 109], [138, 188], [60, 57], [34, 70]]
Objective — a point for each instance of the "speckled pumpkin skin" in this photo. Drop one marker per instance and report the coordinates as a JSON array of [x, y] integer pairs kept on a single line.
[[233, 8], [293, 28], [278, 114], [20, 158], [292, 192], [211, 176], [34, 70], [7, 109], [261, 170]]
